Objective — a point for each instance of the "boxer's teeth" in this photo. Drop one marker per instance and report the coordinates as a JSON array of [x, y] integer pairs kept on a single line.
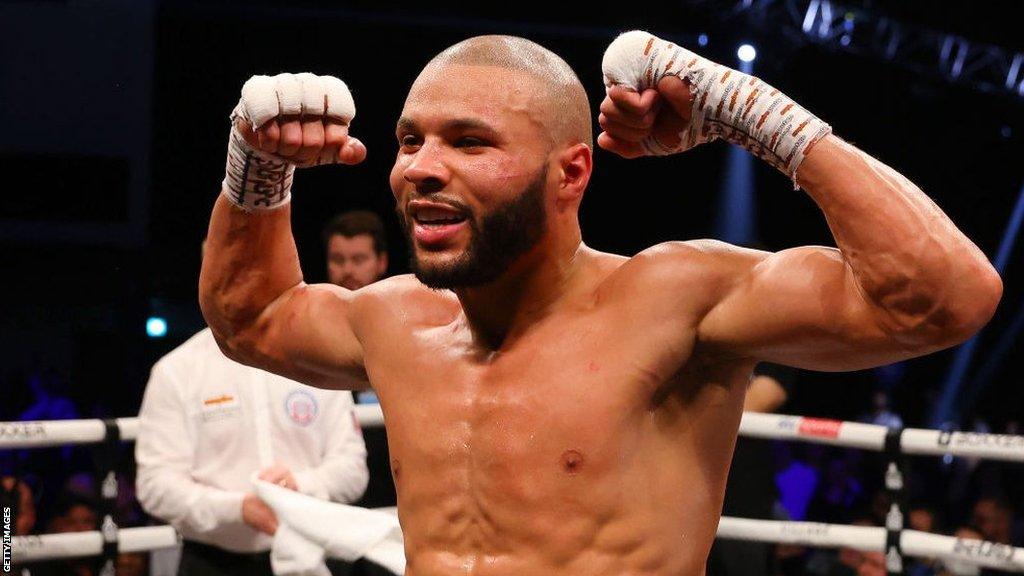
[[437, 216]]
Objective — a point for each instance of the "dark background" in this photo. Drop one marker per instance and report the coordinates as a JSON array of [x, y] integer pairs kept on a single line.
[[113, 123]]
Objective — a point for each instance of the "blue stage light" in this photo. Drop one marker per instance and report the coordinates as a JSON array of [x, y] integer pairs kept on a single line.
[[156, 327]]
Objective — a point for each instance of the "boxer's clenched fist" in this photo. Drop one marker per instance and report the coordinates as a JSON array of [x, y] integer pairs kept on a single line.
[[629, 119], [664, 99], [282, 122], [300, 118]]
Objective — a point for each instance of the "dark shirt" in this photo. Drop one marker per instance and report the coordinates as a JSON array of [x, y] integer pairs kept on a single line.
[[750, 491]]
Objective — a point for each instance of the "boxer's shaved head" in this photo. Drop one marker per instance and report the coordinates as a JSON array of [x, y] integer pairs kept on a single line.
[[566, 112]]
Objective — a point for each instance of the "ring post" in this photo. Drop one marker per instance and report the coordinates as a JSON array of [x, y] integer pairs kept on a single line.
[[894, 485], [106, 456]]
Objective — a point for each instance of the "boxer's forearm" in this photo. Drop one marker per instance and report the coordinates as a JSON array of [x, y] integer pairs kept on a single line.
[[250, 260], [251, 289], [910, 260]]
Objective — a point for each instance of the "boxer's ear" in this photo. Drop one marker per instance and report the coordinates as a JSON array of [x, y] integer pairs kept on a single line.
[[575, 165]]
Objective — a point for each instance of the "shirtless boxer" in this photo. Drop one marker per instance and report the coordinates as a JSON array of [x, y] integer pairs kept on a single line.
[[552, 409]]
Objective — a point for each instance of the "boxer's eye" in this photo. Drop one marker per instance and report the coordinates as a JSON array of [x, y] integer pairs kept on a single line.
[[469, 142], [409, 141]]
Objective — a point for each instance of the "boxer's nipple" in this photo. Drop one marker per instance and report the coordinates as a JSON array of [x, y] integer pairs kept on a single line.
[[572, 461]]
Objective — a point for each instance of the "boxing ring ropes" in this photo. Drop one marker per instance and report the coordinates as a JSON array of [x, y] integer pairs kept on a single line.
[[893, 540]]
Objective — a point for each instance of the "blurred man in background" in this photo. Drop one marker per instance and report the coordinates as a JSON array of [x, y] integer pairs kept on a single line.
[[357, 249], [207, 424], [992, 516], [16, 496], [71, 513]]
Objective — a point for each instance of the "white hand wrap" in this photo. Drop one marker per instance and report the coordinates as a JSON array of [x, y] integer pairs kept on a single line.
[[258, 180], [727, 104]]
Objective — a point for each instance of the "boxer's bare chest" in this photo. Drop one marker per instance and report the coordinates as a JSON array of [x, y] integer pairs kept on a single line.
[[563, 403], [552, 446]]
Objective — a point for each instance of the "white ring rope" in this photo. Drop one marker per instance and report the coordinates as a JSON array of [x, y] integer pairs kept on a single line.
[[78, 544], [39, 434], [864, 538], [818, 430], [919, 441], [873, 539], [872, 437], [369, 415], [976, 444], [980, 552], [47, 433]]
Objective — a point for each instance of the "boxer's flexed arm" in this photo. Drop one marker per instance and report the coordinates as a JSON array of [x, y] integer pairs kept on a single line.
[[905, 281], [251, 289]]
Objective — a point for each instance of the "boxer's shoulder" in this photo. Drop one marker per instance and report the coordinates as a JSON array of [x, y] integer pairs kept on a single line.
[[707, 260], [691, 274], [405, 298]]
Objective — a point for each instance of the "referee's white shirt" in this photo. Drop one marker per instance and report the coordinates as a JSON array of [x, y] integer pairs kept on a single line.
[[207, 423]]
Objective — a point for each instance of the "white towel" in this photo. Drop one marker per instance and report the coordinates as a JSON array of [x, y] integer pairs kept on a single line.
[[310, 529]]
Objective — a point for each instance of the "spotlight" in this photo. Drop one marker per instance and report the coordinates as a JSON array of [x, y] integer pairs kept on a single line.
[[746, 53], [702, 40], [156, 327]]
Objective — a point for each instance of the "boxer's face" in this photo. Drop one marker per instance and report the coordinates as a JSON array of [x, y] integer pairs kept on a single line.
[[471, 176]]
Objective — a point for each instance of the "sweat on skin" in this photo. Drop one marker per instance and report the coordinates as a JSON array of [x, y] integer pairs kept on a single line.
[[503, 463]]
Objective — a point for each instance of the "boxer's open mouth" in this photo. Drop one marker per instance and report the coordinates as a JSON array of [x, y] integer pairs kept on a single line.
[[431, 214], [435, 225], [431, 217]]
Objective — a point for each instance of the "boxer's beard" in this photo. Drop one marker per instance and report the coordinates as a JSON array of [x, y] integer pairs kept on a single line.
[[497, 240]]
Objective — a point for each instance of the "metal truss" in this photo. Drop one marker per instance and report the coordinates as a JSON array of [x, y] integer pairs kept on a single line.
[[983, 67]]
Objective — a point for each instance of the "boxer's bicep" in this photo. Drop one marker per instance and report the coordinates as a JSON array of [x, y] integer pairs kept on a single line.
[[307, 335], [802, 307]]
